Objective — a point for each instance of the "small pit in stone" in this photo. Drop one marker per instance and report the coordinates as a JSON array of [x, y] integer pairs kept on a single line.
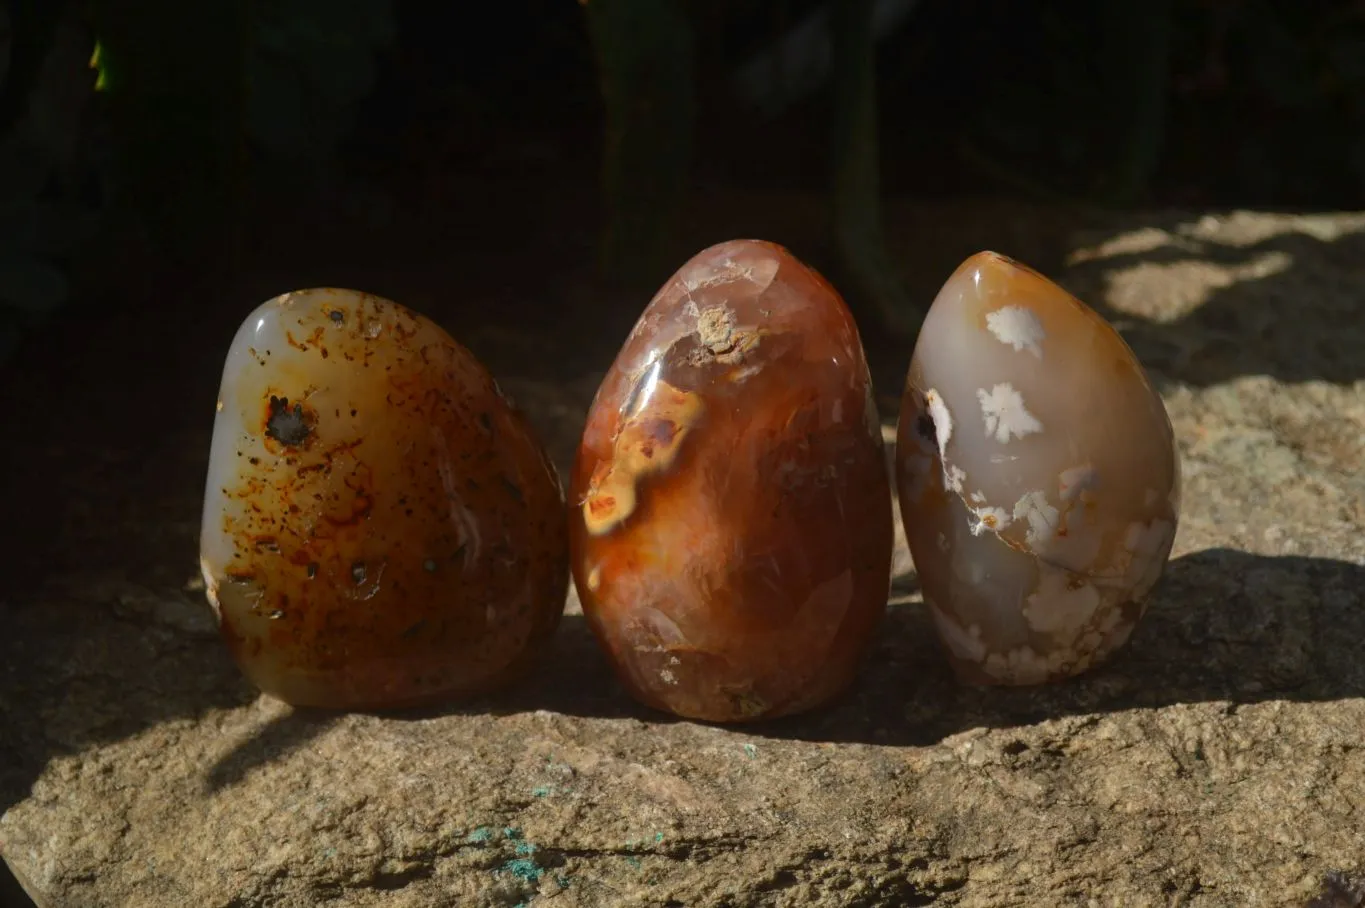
[[718, 339], [290, 426], [716, 328], [925, 428]]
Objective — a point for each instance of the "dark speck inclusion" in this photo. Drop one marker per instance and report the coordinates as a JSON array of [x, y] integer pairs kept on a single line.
[[289, 426], [335, 548]]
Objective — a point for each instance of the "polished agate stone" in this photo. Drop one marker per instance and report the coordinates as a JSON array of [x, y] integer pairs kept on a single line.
[[380, 526], [731, 531], [1037, 475]]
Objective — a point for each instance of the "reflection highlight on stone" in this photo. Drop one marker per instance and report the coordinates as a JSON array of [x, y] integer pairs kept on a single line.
[[731, 526], [380, 526], [1037, 475]]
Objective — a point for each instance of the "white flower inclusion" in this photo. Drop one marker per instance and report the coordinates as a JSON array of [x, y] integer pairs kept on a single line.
[[1017, 327], [1003, 409]]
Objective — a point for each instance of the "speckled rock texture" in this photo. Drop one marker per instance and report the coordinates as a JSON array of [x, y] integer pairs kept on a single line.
[[1218, 760]]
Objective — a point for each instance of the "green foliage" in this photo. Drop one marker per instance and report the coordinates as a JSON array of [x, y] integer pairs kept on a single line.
[[1255, 100], [310, 62], [203, 96], [32, 28], [1297, 72], [646, 69], [33, 235], [1083, 115], [177, 107], [36, 231], [42, 221], [173, 93]]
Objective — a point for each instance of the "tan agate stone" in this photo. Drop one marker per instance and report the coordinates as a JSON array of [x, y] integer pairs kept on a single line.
[[732, 529], [380, 527], [1037, 474]]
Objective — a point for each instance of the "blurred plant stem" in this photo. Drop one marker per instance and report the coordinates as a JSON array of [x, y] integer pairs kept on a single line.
[[33, 26], [1134, 62], [857, 210], [645, 63], [173, 77]]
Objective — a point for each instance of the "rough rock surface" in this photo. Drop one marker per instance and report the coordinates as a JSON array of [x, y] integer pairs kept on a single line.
[[1220, 761]]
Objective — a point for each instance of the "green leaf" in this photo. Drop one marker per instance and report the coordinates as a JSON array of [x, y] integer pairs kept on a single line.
[[100, 67]]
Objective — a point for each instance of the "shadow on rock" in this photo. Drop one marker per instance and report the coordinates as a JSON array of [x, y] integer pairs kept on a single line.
[[102, 662], [1240, 295], [1223, 626], [573, 678], [275, 740]]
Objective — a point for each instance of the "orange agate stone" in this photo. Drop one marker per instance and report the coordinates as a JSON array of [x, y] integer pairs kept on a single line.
[[381, 526], [731, 528]]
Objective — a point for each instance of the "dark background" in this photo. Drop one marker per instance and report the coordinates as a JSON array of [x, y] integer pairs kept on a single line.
[[304, 138], [215, 154]]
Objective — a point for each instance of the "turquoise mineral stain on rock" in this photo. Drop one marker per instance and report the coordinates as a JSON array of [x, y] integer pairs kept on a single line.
[[523, 868]]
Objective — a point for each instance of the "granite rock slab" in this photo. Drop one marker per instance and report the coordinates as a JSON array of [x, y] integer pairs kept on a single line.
[[1218, 761]]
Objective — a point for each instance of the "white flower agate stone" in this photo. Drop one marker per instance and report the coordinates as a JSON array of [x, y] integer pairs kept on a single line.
[[1037, 474]]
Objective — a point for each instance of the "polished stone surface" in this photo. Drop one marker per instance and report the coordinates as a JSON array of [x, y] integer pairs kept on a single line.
[[1214, 762], [380, 525], [1037, 474], [732, 532]]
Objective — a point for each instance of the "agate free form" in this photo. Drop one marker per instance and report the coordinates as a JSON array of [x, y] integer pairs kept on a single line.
[[731, 521], [380, 526], [1037, 473]]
